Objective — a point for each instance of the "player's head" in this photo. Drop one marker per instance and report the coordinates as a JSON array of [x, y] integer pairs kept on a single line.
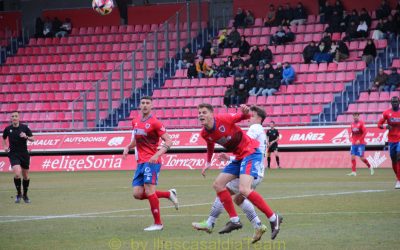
[[356, 116], [395, 101], [206, 114], [257, 115], [15, 117], [146, 103], [272, 124]]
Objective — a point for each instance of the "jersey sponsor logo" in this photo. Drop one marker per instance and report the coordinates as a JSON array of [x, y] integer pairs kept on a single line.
[[224, 140], [139, 131], [376, 159], [307, 137], [394, 119], [222, 129], [116, 141]]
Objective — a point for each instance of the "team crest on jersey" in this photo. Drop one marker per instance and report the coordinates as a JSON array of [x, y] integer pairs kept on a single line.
[[222, 129], [147, 126]]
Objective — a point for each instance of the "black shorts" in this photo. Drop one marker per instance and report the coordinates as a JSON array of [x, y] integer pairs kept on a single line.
[[273, 148], [22, 159]]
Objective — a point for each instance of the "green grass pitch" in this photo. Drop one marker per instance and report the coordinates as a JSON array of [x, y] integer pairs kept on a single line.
[[322, 209]]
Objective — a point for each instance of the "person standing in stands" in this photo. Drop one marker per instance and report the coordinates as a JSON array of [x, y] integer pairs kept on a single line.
[[18, 134]]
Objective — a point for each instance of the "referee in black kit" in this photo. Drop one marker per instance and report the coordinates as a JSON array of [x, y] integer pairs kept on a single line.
[[18, 134], [273, 138]]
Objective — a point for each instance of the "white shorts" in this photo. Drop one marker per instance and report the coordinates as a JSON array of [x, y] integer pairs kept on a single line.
[[233, 185]]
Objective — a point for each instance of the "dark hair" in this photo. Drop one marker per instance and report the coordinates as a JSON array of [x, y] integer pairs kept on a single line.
[[207, 106], [260, 112], [146, 97], [356, 113], [15, 111], [272, 122]]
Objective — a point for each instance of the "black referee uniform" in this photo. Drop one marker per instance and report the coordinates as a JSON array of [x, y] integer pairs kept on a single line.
[[18, 154], [272, 135]]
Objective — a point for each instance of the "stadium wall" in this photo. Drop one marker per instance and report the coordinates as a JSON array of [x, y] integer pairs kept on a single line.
[[305, 147], [11, 20]]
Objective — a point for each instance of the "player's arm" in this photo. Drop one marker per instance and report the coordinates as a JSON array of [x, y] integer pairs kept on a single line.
[[210, 152], [364, 131], [28, 135], [382, 122], [131, 145], [237, 117], [163, 149], [5, 135], [277, 138]]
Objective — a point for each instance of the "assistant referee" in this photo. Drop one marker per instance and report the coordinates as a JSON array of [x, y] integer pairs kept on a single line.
[[18, 134]]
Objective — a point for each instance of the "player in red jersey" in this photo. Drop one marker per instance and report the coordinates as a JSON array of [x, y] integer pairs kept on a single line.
[[147, 131], [358, 133], [392, 118], [222, 129]]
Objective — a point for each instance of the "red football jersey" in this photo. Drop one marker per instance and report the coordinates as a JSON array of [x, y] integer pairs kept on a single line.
[[358, 132], [147, 135], [227, 134], [393, 119]]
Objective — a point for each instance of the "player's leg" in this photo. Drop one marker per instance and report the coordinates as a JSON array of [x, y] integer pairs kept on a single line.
[[25, 184], [269, 158], [17, 181], [363, 159], [151, 172], [277, 157], [353, 153], [394, 156], [247, 174], [397, 186]]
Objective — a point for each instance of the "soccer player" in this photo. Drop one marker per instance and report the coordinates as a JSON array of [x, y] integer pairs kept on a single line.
[[18, 134], [147, 131], [222, 129], [358, 132], [256, 131], [273, 138], [392, 118]]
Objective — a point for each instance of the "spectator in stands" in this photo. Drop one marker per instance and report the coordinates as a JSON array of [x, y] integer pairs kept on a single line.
[[241, 92], [192, 71], [249, 19], [266, 55], [326, 13], [344, 22], [279, 71], [187, 57], [393, 81], [398, 6], [252, 83], [391, 27], [334, 23], [309, 52], [290, 36], [258, 88], [56, 25], [39, 27], [364, 16], [239, 18], [222, 39], [369, 52], [380, 30], [379, 81], [244, 47], [338, 7], [383, 10], [299, 15], [288, 15], [342, 52], [228, 96], [48, 28], [255, 55], [362, 30], [279, 37], [272, 85], [65, 28], [353, 17], [240, 73], [251, 70], [221, 70], [237, 60], [351, 32], [280, 16], [327, 39], [322, 54], [229, 64], [233, 38], [206, 50], [202, 68], [268, 69], [270, 19], [214, 51], [288, 74]]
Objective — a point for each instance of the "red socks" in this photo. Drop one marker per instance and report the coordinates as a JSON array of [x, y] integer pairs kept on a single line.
[[353, 165], [226, 200], [398, 171], [366, 163], [259, 202], [155, 208], [163, 194]]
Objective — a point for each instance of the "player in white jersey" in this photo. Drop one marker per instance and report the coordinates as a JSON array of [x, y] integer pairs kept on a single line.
[[256, 131]]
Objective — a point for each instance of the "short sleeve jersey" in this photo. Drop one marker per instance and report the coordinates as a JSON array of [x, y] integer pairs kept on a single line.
[[16, 143]]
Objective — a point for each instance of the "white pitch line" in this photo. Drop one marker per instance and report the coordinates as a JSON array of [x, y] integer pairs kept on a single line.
[[47, 217]]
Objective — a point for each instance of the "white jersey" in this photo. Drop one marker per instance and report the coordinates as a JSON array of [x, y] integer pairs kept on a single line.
[[256, 131]]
